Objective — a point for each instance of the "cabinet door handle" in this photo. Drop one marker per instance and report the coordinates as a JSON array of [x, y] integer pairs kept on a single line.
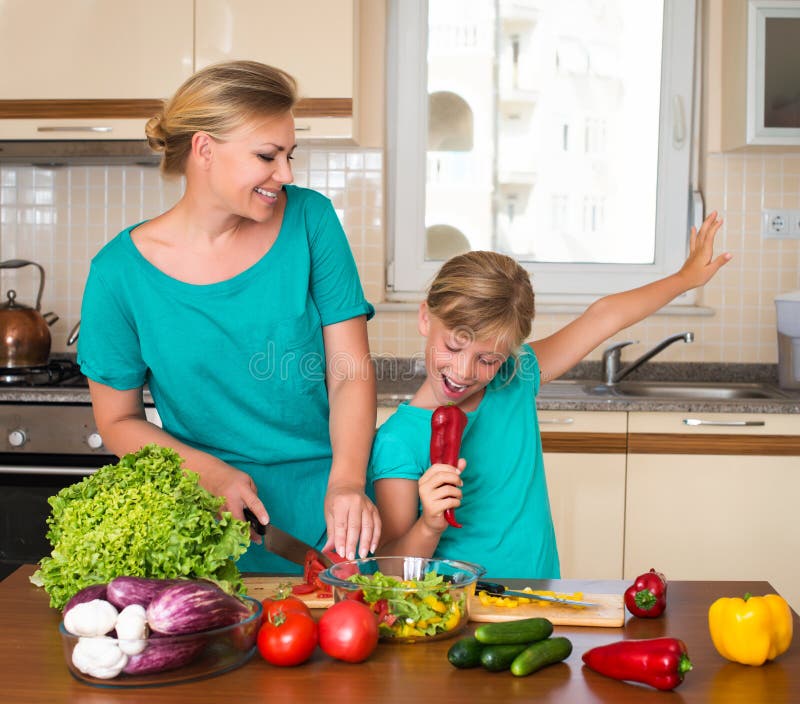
[[556, 421], [728, 423], [76, 128], [678, 123], [302, 128]]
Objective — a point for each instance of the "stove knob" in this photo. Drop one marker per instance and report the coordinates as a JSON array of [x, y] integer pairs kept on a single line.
[[17, 438], [94, 441]]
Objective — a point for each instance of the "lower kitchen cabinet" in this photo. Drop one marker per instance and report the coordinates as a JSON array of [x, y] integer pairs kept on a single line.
[[715, 500], [584, 460]]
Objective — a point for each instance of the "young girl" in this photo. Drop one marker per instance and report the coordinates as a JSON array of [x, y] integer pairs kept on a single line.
[[475, 320]]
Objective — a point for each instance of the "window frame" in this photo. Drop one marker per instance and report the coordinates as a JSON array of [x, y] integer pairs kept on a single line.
[[409, 273]]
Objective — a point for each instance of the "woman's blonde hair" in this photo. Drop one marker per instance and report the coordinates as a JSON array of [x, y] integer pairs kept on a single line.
[[217, 99], [482, 295]]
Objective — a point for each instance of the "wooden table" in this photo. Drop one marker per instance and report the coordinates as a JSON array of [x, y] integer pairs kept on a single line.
[[33, 668]]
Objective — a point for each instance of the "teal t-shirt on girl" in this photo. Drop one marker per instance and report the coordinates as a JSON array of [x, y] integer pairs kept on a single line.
[[505, 511], [236, 368]]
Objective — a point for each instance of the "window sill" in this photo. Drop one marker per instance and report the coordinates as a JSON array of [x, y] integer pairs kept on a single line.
[[558, 309]]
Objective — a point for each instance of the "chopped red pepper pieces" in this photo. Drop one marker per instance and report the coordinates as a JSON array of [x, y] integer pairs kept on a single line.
[[447, 427], [658, 662]]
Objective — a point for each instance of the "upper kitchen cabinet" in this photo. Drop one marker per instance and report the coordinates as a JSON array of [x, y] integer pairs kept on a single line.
[[753, 83], [84, 68], [314, 41]]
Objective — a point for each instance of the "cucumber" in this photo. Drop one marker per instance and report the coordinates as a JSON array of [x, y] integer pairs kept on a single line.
[[541, 654], [497, 658], [465, 653], [526, 630]]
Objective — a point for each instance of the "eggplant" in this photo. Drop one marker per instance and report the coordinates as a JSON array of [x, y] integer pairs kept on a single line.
[[194, 606], [168, 655], [90, 593], [124, 591]]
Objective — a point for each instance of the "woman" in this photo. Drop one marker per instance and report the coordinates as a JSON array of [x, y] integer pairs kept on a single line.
[[241, 309]]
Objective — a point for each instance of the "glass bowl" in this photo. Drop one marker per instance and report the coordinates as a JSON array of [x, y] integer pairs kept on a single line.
[[192, 656], [417, 599]]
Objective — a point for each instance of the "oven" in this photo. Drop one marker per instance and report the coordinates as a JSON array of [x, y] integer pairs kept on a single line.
[[48, 440]]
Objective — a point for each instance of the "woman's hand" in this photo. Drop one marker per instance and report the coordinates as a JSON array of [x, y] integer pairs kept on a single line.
[[239, 491], [700, 265], [352, 521], [440, 489]]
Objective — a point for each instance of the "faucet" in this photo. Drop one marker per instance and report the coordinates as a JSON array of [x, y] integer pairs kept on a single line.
[[611, 357]]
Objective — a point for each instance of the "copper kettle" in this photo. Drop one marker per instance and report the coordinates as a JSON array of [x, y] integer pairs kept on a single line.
[[24, 333]]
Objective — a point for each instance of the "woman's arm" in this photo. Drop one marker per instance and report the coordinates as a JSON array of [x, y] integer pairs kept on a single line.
[[122, 424], [352, 519], [607, 316]]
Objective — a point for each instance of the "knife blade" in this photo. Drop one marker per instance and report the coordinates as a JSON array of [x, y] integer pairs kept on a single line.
[[495, 589], [281, 543]]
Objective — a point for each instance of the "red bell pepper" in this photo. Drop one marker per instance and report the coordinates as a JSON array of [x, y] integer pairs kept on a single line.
[[647, 596], [658, 662], [447, 427]]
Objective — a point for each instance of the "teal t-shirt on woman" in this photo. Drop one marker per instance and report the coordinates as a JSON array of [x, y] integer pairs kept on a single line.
[[505, 511], [236, 368]]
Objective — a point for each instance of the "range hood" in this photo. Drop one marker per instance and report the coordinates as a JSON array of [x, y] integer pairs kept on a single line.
[[87, 152]]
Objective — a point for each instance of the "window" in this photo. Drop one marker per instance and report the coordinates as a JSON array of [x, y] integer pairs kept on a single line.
[[555, 131]]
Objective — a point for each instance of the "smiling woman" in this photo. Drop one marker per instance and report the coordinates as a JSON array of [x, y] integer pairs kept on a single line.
[[244, 280]]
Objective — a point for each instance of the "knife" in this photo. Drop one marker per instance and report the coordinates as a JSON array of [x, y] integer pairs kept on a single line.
[[495, 589], [281, 543]]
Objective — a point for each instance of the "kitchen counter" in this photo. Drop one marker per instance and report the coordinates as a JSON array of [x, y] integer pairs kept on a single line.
[[34, 668]]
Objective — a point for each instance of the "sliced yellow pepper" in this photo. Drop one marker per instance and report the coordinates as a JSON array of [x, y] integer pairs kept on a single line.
[[750, 630], [453, 619], [434, 603]]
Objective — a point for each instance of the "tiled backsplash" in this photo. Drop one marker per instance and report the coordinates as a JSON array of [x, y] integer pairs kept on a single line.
[[60, 217]]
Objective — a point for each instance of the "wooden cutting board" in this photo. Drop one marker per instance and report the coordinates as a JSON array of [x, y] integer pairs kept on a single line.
[[264, 587], [610, 612]]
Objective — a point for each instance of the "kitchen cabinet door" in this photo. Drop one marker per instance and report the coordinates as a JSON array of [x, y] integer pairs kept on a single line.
[[71, 68], [584, 460], [714, 501], [314, 41]]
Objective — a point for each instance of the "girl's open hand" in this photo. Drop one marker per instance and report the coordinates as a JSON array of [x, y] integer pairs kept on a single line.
[[440, 489], [701, 265]]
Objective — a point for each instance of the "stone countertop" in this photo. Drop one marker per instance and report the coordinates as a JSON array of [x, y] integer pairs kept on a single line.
[[398, 379]]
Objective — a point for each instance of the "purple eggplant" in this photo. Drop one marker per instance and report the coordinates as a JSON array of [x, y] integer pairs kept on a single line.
[[167, 655], [124, 591], [194, 606], [90, 593]]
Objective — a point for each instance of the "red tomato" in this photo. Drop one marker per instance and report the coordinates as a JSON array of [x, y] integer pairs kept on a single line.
[[348, 631], [284, 604], [288, 639]]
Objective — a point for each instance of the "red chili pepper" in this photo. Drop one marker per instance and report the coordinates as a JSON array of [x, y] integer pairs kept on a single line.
[[447, 426], [658, 662], [647, 596]]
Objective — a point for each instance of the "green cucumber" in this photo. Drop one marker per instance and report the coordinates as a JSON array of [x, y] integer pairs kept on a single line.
[[541, 654], [526, 630], [497, 658], [465, 652]]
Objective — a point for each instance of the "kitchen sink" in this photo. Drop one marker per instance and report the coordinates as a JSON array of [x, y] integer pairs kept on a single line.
[[697, 391]]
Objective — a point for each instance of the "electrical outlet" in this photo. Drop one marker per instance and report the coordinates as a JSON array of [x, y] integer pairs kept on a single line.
[[780, 223]]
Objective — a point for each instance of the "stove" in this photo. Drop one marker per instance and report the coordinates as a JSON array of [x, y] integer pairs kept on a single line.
[[55, 373], [48, 440]]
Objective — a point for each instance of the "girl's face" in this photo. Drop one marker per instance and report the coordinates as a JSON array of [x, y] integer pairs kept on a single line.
[[249, 169], [459, 366]]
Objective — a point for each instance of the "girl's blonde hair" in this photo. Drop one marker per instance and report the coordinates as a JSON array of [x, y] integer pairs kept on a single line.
[[217, 99], [482, 295]]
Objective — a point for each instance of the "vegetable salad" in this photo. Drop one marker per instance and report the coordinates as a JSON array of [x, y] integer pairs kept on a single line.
[[412, 607]]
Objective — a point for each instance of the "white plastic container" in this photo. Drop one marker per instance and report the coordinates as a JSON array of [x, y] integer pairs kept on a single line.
[[788, 309]]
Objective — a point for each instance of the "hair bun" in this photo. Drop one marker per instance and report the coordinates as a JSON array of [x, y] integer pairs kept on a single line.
[[154, 132]]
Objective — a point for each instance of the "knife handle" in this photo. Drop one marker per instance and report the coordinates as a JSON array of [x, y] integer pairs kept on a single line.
[[489, 587], [256, 525]]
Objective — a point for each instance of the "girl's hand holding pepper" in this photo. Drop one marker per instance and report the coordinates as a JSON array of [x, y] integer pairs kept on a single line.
[[440, 490]]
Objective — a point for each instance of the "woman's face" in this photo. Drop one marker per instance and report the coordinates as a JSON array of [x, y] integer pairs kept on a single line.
[[458, 364], [249, 169]]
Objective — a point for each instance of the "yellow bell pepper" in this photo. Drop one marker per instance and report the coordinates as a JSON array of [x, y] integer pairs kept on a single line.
[[750, 630]]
